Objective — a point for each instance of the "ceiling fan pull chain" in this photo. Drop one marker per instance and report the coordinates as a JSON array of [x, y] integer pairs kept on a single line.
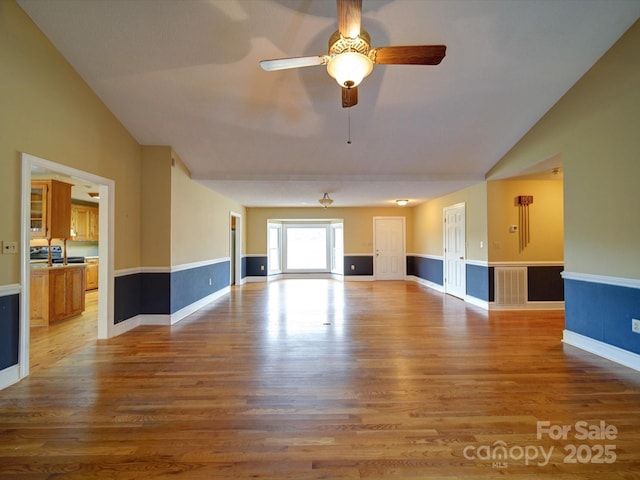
[[349, 126]]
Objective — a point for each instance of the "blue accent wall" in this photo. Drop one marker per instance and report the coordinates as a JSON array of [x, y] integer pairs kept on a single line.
[[189, 286], [603, 312], [166, 293], [252, 266], [430, 269], [478, 285], [363, 264], [9, 330]]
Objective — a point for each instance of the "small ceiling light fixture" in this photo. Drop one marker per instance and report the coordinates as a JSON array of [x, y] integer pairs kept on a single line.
[[325, 201], [402, 203]]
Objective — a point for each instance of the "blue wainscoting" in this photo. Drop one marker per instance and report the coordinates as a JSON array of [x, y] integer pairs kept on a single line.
[[480, 282], [252, 266], [9, 330], [363, 265], [603, 312], [152, 293], [545, 284], [429, 269], [189, 286]]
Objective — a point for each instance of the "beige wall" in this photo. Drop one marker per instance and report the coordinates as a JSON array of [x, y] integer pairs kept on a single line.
[[155, 194], [358, 225], [48, 111], [200, 219], [595, 128], [428, 225], [545, 215]]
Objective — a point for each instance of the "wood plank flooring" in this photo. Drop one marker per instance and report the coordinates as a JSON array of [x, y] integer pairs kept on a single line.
[[318, 379]]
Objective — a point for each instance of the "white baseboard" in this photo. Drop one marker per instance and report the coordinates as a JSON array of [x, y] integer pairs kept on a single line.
[[126, 325], [426, 283], [359, 278], [604, 350], [477, 302], [167, 320], [257, 279], [9, 376]]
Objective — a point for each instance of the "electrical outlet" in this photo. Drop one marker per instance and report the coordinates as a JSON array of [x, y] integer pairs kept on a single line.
[[353, 267], [635, 325], [9, 248], [209, 280], [262, 268]]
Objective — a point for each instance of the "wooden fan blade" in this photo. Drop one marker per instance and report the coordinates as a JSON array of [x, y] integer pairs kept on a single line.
[[349, 97], [410, 55], [294, 62], [349, 17]]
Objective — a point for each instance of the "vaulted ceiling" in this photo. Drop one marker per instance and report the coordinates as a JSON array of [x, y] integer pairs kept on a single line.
[[185, 73]]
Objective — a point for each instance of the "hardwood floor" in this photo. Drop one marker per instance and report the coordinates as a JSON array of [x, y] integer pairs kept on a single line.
[[60, 339], [318, 379]]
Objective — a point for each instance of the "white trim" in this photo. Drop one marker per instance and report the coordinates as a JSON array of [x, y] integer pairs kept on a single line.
[[173, 269], [169, 319], [358, 254], [559, 305], [477, 263], [235, 264], [126, 271], [257, 279], [9, 376], [126, 325], [359, 278], [478, 302], [13, 289], [615, 281], [527, 264], [604, 350], [432, 257], [426, 283], [255, 255]]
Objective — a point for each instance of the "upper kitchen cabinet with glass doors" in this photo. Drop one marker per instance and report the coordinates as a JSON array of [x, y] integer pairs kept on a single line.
[[50, 209]]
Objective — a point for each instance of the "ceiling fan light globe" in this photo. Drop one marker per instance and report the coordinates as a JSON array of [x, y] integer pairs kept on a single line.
[[349, 68]]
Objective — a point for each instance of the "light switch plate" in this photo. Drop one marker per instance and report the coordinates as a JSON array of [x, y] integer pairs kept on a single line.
[[9, 248]]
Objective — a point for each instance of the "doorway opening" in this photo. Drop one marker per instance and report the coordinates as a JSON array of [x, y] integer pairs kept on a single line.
[[100, 302], [235, 249]]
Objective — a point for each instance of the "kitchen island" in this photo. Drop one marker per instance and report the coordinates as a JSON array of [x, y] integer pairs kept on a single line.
[[57, 292]]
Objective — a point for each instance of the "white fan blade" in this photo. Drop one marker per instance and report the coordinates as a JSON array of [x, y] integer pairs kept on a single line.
[[295, 62]]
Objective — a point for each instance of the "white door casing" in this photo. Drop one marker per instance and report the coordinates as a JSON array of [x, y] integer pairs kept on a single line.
[[455, 277], [389, 246]]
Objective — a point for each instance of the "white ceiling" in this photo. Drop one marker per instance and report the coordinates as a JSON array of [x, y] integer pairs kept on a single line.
[[185, 73]]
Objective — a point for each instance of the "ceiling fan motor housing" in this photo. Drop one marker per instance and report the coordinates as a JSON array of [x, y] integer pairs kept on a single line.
[[340, 44]]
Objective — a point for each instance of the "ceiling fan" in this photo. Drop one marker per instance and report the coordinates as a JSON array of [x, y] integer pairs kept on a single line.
[[351, 58]]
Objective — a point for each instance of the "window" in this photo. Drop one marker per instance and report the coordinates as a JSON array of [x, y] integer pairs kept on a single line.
[[306, 248]]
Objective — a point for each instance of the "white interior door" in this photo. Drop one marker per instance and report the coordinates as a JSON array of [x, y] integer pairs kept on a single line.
[[389, 245], [455, 275]]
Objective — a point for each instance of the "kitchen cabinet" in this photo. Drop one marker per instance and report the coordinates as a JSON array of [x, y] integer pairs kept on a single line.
[[84, 223], [50, 209], [57, 293], [91, 273]]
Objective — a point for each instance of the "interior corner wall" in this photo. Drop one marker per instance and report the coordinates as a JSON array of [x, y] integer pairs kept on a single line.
[[50, 112], [595, 128], [200, 219], [428, 234], [155, 194], [546, 226]]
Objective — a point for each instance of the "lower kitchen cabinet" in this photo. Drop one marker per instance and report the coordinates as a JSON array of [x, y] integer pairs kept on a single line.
[[91, 273], [56, 293]]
